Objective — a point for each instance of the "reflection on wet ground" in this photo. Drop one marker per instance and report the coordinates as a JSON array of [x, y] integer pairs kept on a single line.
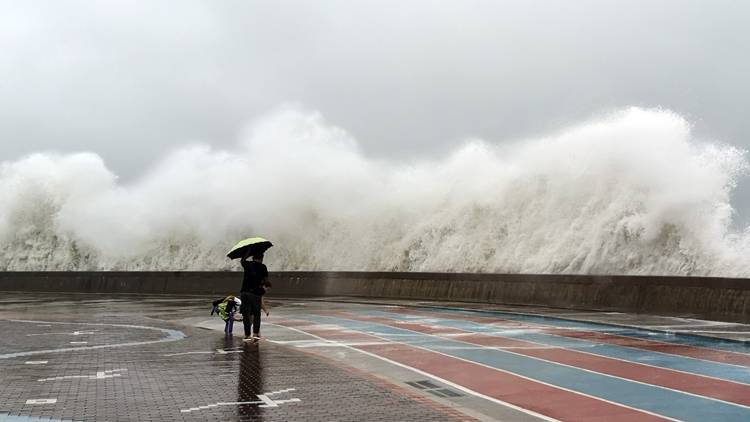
[[94, 358]]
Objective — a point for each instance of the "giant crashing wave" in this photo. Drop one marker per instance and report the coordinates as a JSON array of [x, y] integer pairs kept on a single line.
[[631, 193]]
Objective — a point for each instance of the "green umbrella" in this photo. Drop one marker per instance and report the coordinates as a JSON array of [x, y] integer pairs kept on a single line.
[[256, 246]]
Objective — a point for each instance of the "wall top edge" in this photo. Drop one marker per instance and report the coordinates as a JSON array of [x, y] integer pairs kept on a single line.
[[686, 281]]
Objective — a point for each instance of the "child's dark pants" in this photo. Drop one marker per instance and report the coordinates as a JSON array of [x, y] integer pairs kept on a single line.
[[229, 323]]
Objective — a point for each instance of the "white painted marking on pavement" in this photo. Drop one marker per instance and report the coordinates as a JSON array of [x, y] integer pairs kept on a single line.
[[314, 343], [375, 334], [172, 335], [74, 333], [509, 350], [267, 402], [218, 351], [41, 401], [100, 375], [36, 362], [433, 376], [264, 401], [225, 351], [189, 353]]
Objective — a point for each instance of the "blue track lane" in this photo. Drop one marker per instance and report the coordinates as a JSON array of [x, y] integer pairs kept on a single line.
[[663, 360], [683, 339], [639, 396]]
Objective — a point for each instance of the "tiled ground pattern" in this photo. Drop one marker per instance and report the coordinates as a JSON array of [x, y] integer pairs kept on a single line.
[[155, 387]]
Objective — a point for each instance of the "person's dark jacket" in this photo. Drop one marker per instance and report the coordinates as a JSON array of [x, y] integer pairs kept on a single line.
[[255, 273]]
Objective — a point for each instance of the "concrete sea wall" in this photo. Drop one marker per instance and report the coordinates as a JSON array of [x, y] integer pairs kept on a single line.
[[701, 297]]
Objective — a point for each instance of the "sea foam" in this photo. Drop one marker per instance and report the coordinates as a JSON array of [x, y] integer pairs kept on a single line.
[[629, 193]]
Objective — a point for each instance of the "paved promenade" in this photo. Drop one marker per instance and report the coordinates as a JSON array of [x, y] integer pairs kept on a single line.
[[77, 357]]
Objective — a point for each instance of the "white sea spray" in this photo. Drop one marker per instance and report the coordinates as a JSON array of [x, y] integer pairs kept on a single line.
[[630, 193]]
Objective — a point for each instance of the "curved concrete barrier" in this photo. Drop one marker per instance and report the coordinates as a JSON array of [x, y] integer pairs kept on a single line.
[[701, 297]]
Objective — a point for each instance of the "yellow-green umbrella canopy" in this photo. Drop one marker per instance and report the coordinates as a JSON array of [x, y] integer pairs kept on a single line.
[[256, 245]]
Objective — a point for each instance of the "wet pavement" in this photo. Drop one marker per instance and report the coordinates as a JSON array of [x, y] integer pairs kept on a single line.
[[68, 357], [79, 357]]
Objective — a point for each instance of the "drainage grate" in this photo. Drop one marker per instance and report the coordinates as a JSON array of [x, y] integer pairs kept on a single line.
[[433, 388], [449, 393], [427, 384]]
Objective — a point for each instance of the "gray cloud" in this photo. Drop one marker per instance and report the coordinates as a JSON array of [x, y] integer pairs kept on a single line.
[[133, 79]]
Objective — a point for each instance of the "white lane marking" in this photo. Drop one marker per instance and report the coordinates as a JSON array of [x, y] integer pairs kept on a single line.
[[267, 402], [36, 362], [100, 375], [172, 335], [41, 401], [294, 342], [79, 342], [294, 400], [74, 333], [433, 376], [218, 351], [518, 375], [594, 343], [264, 401], [606, 329], [503, 349], [314, 343], [341, 344], [286, 390], [189, 353], [225, 351]]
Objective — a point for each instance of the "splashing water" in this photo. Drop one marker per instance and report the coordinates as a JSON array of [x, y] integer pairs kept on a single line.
[[632, 193]]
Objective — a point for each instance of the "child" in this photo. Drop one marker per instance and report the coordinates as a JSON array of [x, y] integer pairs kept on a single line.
[[226, 308]]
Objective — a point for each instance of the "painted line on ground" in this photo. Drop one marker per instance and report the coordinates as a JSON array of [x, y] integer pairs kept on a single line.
[[172, 335], [100, 375], [459, 322], [740, 349], [614, 410], [424, 373], [647, 398], [571, 405], [264, 401], [568, 339], [695, 385]]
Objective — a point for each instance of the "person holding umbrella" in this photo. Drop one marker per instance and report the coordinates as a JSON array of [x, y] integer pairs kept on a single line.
[[253, 283]]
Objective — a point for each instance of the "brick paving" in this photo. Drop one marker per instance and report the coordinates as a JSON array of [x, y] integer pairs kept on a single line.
[[203, 376]]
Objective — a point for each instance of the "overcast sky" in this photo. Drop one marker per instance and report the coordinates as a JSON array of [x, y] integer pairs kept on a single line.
[[132, 79]]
